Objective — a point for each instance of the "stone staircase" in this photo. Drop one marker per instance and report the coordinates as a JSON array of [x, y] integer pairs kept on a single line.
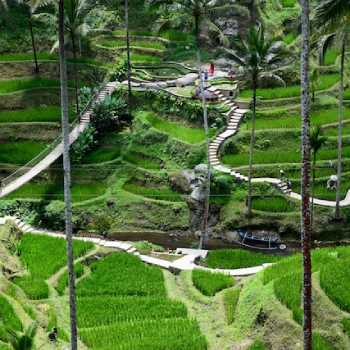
[[233, 116]]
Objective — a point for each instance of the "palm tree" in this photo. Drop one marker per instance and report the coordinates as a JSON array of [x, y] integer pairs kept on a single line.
[[333, 16], [67, 177], [201, 11], [254, 55], [314, 80], [305, 174], [316, 142], [76, 12], [128, 47], [24, 341]]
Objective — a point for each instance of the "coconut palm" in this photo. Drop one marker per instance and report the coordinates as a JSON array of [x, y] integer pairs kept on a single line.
[[32, 7], [254, 55], [24, 341], [76, 27], [67, 176], [200, 12], [331, 17], [128, 47], [305, 174], [316, 142]]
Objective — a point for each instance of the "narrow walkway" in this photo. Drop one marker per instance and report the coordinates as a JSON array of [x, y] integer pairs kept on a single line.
[[57, 151], [187, 262], [235, 116]]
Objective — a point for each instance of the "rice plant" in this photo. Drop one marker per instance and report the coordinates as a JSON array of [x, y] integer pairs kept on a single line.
[[133, 32], [272, 204], [63, 280], [345, 130], [182, 133], [146, 59], [237, 259], [294, 121], [331, 56], [122, 274], [101, 155], [20, 152], [12, 85], [288, 3], [42, 56], [142, 161], [320, 343], [80, 192], [174, 333], [209, 283], [231, 300], [326, 82], [97, 311], [44, 114], [165, 195], [44, 255], [34, 287], [174, 35], [8, 318], [142, 44]]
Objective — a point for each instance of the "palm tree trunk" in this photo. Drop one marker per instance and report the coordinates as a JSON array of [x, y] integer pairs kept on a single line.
[[33, 44], [305, 174], [128, 48], [337, 200], [67, 180], [205, 118], [313, 191], [255, 85], [75, 78]]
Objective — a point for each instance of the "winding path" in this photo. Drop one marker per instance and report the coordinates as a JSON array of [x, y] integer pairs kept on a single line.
[[235, 116]]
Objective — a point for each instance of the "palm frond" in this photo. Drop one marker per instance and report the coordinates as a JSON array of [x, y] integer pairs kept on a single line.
[[215, 29], [324, 44]]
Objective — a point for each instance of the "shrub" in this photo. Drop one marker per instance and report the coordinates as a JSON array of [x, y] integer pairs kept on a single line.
[[222, 184], [85, 142], [54, 215], [210, 283], [101, 223]]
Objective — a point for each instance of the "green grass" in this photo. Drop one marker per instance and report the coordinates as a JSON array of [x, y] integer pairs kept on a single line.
[[143, 44], [44, 255], [42, 56], [45, 114], [288, 39], [101, 155], [257, 345], [331, 56], [326, 81], [231, 300], [122, 274], [93, 311], [345, 130], [294, 121], [145, 59], [8, 318], [63, 280], [209, 283], [8, 86], [293, 156], [34, 287], [272, 204], [237, 259], [182, 133], [123, 305], [133, 32], [288, 3], [320, 343], [20, 152], [142, 161], [165, 195], [174, 35], [346, 324], [80, 192]]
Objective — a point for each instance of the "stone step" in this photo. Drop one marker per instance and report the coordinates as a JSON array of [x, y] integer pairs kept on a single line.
[[239, 110]]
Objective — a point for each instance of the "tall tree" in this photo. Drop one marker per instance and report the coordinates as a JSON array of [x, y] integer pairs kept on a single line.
[[254, 55], [76, 26], [332, 19], [128, 48], [305, 174], [67, 177], [201, 12], [316, 141]]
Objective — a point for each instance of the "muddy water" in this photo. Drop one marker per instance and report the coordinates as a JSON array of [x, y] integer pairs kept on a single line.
[[174, 241]]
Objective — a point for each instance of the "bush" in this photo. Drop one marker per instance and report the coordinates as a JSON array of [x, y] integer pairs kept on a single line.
[[85, 142], [101, 223], [53, 215], [222, 184], [209, 283]]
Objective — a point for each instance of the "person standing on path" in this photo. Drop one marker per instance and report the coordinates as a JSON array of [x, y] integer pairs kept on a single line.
[[282, 176], [206, 75], [289, 187]]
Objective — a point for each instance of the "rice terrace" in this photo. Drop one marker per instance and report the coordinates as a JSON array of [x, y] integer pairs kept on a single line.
[[174, 175]]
